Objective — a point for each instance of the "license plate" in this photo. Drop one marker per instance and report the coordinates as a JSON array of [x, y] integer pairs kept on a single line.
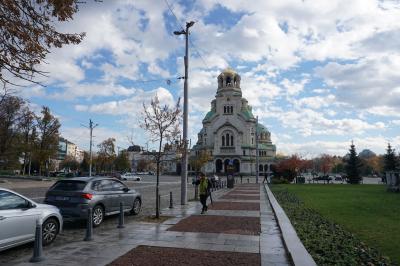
[[62, 198]]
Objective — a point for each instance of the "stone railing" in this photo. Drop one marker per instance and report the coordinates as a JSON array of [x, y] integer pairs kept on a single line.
[[227, 150]]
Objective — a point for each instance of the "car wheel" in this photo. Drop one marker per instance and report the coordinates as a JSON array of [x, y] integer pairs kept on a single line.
[[137, 206], [98, 215], [50, 229]]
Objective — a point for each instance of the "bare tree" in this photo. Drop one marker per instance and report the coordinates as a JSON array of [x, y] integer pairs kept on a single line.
[[161, 122], [27, 33]]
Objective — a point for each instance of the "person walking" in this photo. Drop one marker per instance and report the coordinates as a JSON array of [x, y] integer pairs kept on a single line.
[[204, 191], [265, 178]]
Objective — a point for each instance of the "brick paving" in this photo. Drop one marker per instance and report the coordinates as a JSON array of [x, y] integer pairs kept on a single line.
[[150, 256], [240, 225], [220, 205], [241, 197], [256, 241]]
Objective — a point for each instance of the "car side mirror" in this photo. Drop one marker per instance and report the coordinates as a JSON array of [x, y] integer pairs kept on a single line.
[[28, 205], [125, 189]]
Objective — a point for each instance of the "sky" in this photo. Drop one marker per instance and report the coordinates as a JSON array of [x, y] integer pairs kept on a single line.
[[318, 74]]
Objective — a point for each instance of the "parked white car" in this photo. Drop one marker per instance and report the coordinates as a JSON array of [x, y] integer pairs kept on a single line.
[[130, 176], [18, 217]]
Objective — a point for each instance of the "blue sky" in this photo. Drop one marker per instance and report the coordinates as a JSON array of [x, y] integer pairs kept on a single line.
[[317, 73]]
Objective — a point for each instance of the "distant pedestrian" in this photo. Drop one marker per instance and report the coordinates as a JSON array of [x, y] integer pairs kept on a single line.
[[265, 177], [204, 189], [241, 179]]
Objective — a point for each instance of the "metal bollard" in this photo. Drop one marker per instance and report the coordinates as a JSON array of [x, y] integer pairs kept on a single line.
[[121, 215], [37, 247], [89, 226], [171, 203]]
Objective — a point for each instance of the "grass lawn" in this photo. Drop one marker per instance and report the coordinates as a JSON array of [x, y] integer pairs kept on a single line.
[[368, 211]]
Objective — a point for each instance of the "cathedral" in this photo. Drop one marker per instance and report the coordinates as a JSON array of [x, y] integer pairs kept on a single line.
[[229, 132]]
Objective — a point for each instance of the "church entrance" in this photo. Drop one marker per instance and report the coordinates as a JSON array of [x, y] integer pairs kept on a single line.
[[218, 165], [226, 163]]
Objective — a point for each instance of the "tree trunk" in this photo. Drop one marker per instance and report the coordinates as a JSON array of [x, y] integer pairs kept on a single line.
[[158, 180], [157, 190]]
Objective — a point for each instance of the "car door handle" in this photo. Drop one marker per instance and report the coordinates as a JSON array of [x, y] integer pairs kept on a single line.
[[2, 218]]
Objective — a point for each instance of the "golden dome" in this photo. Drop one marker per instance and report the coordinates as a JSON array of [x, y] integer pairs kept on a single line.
[[229, 70]]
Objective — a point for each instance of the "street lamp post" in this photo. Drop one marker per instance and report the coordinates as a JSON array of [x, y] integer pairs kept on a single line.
[[257, 155], [185, 114]]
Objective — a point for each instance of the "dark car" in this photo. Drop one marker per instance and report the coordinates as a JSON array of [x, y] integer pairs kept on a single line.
[[73, 196]]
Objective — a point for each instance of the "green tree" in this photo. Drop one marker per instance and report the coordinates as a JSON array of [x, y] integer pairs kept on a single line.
[[390, 159], [106, 155], [162, 122], [47, 141], [69, 163], [122, 162], [353, 165], [200, 159], [28, 136], [84, 166], [10, 115]]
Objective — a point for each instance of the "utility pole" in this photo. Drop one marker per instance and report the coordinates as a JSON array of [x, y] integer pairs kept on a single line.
[[185, 114], [257, 159], [91, 127]]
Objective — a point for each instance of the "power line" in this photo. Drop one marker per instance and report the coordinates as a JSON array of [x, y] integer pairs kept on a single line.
[[199, 54], [172, 12], [191, 42]]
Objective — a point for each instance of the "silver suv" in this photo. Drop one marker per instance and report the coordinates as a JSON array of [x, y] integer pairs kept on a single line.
[[18, 216], [73, 196]]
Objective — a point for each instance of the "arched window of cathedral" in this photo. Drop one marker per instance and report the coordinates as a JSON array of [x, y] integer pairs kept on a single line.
[[227, 139], [228, 81], [252, 140], [231, 110], [232, 141], [223, 140], [244, 152], [224, 109]]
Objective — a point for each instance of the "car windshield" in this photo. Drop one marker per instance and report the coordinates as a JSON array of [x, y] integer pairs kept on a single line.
[[69, 185]]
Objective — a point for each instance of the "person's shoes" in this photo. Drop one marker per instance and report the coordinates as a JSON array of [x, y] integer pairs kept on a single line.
[[206, 209], [202, 212]]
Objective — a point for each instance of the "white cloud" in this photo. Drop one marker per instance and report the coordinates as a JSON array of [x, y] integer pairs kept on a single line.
[[293, 87], [368, 84], [132, 106]]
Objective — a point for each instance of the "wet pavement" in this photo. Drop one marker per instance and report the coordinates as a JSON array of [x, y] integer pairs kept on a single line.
[[107, 245]]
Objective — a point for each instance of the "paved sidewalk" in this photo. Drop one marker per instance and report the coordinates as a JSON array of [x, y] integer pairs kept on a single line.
[[108, 246]]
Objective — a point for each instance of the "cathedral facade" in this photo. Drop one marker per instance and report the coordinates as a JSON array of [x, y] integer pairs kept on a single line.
[[229, 132]]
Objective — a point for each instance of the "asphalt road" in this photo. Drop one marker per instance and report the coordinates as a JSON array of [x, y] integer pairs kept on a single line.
[[36, 190]]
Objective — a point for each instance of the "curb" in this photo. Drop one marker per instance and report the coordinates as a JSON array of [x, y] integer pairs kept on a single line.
[[296, 250]]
